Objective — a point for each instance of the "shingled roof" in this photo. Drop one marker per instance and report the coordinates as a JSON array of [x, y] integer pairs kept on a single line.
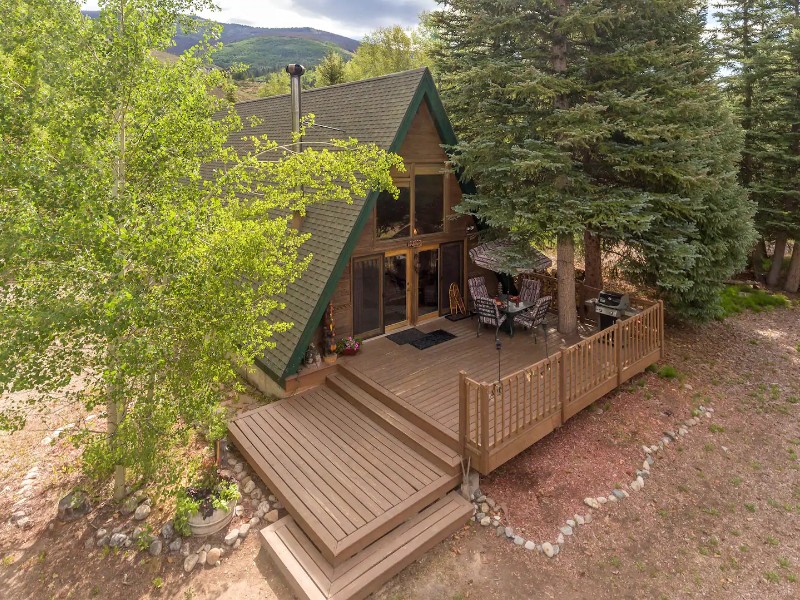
[[378, 110]]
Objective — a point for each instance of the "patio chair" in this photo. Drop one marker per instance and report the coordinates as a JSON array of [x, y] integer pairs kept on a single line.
[[477, 289], [535, 317], [531, 290], [489, 314]]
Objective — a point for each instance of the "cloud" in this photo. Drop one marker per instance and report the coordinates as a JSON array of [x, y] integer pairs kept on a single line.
[[367, 14]]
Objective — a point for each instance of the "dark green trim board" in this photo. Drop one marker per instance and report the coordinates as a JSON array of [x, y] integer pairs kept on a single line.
[[426, 92], [329, 289]]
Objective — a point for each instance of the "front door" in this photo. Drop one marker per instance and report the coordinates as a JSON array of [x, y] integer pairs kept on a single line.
[[426, 283], [396, 288]]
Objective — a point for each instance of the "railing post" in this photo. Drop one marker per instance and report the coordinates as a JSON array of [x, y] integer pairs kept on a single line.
[[661, 329], [618, 350], [485, 426], [562, 383], [463, 412]]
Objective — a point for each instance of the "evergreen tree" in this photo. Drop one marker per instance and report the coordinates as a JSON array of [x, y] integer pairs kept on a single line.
[[631, 140], [331, 70]]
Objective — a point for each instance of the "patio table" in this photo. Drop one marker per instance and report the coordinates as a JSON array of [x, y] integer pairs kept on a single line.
[[512, 309]]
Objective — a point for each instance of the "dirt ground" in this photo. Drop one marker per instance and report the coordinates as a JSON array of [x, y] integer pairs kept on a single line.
[[718, 518]]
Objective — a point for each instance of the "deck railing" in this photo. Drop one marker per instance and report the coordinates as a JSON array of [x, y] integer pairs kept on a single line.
[[498, 420]]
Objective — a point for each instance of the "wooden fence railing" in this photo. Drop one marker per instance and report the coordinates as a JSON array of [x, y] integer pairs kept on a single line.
[[499, 420]]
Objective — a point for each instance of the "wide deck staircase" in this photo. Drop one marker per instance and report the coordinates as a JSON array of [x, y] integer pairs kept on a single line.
[[367, 483]]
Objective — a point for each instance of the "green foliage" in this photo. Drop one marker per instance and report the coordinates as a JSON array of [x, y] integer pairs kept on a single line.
[[737, 298], [331, 70], [269, 54], [137, 248], [388, 50], [667, 372], [217, 496], [280, 83], [633, 141], [158, 583]]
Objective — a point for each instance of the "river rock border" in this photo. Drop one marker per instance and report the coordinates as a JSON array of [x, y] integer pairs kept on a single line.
[[488, 513]]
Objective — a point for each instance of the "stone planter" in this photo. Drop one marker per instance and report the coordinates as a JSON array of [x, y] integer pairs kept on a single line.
[[218, 520]]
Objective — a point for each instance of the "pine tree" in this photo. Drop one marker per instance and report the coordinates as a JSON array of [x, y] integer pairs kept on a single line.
[[331, 70], [631, 141], [758, 43]]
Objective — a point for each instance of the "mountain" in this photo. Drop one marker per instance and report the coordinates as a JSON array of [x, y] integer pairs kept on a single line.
[[233, 32], [268, 53]]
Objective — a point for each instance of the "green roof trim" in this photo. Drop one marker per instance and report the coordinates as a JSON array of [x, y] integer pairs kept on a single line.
[[426, 92]]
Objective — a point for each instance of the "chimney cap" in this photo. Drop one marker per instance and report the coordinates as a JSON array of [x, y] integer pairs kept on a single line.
[[295, 69]]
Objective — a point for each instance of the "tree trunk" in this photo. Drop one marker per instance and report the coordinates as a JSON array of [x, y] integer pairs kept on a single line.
[[777, 260], [594, 260], [114, 418], [793, 278], [757, 256], [565, 262]]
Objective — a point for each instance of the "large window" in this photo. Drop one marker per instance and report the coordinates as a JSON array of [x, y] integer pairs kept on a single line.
[[425, 206], [393, 217], [428, 204]]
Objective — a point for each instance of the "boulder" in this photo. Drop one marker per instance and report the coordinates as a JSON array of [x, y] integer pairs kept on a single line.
[[74, 505]]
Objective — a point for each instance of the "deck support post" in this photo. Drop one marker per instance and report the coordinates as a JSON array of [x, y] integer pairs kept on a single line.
[[618, 350], [483, 467], [562, 385]]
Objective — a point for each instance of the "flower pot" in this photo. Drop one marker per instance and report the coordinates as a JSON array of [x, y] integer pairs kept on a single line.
[[329, 358], [218, 520], [349, 352]]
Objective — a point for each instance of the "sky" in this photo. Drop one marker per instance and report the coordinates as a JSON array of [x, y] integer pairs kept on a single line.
[[351, 18]]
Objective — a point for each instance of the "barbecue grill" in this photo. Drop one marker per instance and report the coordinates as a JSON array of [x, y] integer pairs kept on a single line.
[[610, 307]]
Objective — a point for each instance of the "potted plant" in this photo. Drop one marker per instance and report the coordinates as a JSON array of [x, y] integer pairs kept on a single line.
[[207, 507], [348, 346]]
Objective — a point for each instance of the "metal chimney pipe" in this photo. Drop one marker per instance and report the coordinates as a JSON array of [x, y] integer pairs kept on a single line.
[[295, 72]]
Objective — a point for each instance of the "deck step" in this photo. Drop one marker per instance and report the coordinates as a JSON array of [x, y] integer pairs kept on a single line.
[[312, 577], [431, 448], [409, 412]]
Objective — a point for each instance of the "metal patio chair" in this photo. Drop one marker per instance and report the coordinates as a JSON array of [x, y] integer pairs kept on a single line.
[[535, 317], [530, 290], [477, 288], [488, 314]]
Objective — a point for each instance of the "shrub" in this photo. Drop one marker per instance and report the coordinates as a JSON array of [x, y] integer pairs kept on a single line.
[[668, 372]]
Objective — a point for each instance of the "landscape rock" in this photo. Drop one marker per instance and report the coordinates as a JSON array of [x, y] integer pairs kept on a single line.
[[492, 504], [501, 531], [566, 530], [485, 521], [509, 532], [213, 556], [232, 536], [272, 498], [73, 506], [548, 550], [201, 557], [118, 540], [237, 543], [612, 498], [519, 541], [190, 562], [156, 547], [579, 519], [142, 511], [570, 523], [560, 538], [271, 516], [254, 522], [206, 547], [175, 545], [238, 510], [264, 507], [618, 494], [650, 460], [167, 531], [244, 530], [238, 467], [249, 487], [591, 502], [186, 549], [128, 505], [587, 519], [529, 545], [601, 499], [479, 516]]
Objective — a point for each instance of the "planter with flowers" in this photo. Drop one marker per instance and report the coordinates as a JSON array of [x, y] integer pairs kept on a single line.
[[348, 346], [207, 507]]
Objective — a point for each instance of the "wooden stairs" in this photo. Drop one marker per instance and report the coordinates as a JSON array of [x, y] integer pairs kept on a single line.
[[367, 485]]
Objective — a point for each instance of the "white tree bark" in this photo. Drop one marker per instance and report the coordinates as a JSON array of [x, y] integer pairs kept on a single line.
[[793, 277]]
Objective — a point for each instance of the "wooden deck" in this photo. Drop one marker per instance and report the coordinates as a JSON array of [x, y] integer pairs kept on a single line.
[[428, 380], [344, 478]]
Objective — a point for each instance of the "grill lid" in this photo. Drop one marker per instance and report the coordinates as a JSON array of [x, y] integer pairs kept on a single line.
[[615, 300]]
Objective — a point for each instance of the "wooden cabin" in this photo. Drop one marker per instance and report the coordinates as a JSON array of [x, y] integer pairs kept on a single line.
[[365, 454]]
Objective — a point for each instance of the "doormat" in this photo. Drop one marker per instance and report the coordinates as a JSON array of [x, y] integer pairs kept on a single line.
[[433, 338], [407, 336], [452, 317]]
